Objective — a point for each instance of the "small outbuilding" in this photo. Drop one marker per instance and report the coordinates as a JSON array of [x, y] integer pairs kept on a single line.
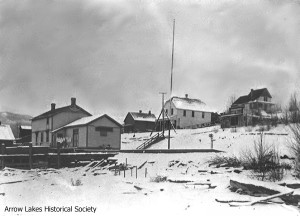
[[99, 131], [139, 122]]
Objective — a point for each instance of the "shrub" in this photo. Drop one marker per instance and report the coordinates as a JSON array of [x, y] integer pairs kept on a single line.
[[264, 161], [229, 161], [295, 147], [158, 179]]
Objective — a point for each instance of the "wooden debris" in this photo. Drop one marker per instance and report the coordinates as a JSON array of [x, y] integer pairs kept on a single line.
[[230, 201], [260, 199], [143, 164], [13, 182]]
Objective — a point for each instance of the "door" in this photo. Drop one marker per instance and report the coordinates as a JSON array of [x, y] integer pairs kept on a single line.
[[75, 137]]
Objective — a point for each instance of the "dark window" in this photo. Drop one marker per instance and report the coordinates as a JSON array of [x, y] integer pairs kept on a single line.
[[193, 114], [203, 114], [265, 98], [47, 136], [172, 111], [42, 137], [184, 112], [36, 136], [166, 111], [104, 130], [75, 137], [47, 120]]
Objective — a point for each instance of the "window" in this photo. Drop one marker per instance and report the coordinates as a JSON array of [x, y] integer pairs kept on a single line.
[[265, 98], [184, 112], [104, 130], [42, 137], [47, 136], [36, 137], [172, 111], [203, 114], [193, 114], [166, 111], [75, 137], [47, 121]]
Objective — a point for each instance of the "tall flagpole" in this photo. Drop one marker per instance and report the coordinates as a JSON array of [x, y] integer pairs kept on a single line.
[[171, 88]]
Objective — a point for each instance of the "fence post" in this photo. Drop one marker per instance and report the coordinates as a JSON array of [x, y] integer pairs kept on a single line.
[[3, 158], [135, 171], [145, 172], [115, 168], [124, 172], [58, 155], [131, 171], [30, 155], [126, 162]]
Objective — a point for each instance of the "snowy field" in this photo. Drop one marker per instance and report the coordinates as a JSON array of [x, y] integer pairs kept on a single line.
[[111, 193]]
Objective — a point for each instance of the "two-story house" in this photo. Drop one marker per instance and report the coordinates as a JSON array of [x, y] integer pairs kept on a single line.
[[187, 112], [43, 125], [249, 109]]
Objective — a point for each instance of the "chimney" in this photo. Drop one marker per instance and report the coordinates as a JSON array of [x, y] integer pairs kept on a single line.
[[186, 95], [73, 101], [52, 106], [149, 112], [140, 111], [251, 94]]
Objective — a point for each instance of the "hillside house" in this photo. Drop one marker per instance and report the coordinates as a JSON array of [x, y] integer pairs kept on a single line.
[[249, 109], [100, 131], [6, 135], [188, 113], [55, 118], [139, 122]]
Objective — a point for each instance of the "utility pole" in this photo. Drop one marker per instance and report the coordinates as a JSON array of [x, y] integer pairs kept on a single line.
[[170, 101], [163, 111]]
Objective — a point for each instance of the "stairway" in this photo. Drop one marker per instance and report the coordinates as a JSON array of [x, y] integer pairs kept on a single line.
[[156, 138]]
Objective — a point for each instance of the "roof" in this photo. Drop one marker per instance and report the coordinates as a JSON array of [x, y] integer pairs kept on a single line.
[[6, 133], [190, 104], [87, 120], [138, 116], [59, 110], [255, 95], [25, 127]]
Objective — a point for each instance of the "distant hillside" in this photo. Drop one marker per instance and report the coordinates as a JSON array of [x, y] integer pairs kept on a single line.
[[14, 120]]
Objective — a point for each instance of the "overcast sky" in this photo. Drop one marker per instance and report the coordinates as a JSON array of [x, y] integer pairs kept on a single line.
[[115, 56]]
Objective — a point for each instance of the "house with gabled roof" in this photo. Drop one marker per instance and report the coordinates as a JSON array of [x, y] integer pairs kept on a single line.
[[6, 135], [249, 109], [186, 112], [98, 131], [43, 124], [139, 122]]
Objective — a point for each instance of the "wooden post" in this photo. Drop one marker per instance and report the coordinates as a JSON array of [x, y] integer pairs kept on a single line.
[[145, 172], [126, 162], [131, 171], [3, 153], [58, 155], [30, 155], [135, 171], [124, 172], [115, 168]]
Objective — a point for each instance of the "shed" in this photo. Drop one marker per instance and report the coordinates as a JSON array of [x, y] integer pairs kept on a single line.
[[6, 135], [139, 122]]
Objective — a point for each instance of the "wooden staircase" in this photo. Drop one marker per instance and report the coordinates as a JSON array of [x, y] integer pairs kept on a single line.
[[156, 138]]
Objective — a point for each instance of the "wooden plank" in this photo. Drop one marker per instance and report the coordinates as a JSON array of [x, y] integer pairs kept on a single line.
[[260, 199]]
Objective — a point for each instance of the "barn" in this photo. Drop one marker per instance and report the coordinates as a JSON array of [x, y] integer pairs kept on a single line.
[[98, 131]]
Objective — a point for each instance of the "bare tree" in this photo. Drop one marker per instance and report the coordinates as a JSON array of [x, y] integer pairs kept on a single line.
[[293, 108], [230, 101]]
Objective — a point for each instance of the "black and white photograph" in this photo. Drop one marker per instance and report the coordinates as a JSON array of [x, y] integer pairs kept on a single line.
[[149, 107]]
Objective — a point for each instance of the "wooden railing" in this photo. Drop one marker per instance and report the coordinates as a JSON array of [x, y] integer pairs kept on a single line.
[[157, 137]]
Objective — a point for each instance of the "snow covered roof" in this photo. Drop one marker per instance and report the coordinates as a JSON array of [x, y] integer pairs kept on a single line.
[[25, 127], [252, 96], [190, 104], [6, 133], [139, 116], [87, 120]]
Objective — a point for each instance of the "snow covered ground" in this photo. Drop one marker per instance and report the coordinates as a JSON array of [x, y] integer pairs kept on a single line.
[[114, 194]]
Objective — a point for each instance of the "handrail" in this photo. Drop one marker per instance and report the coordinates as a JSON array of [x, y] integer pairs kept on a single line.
[[150, 141]]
